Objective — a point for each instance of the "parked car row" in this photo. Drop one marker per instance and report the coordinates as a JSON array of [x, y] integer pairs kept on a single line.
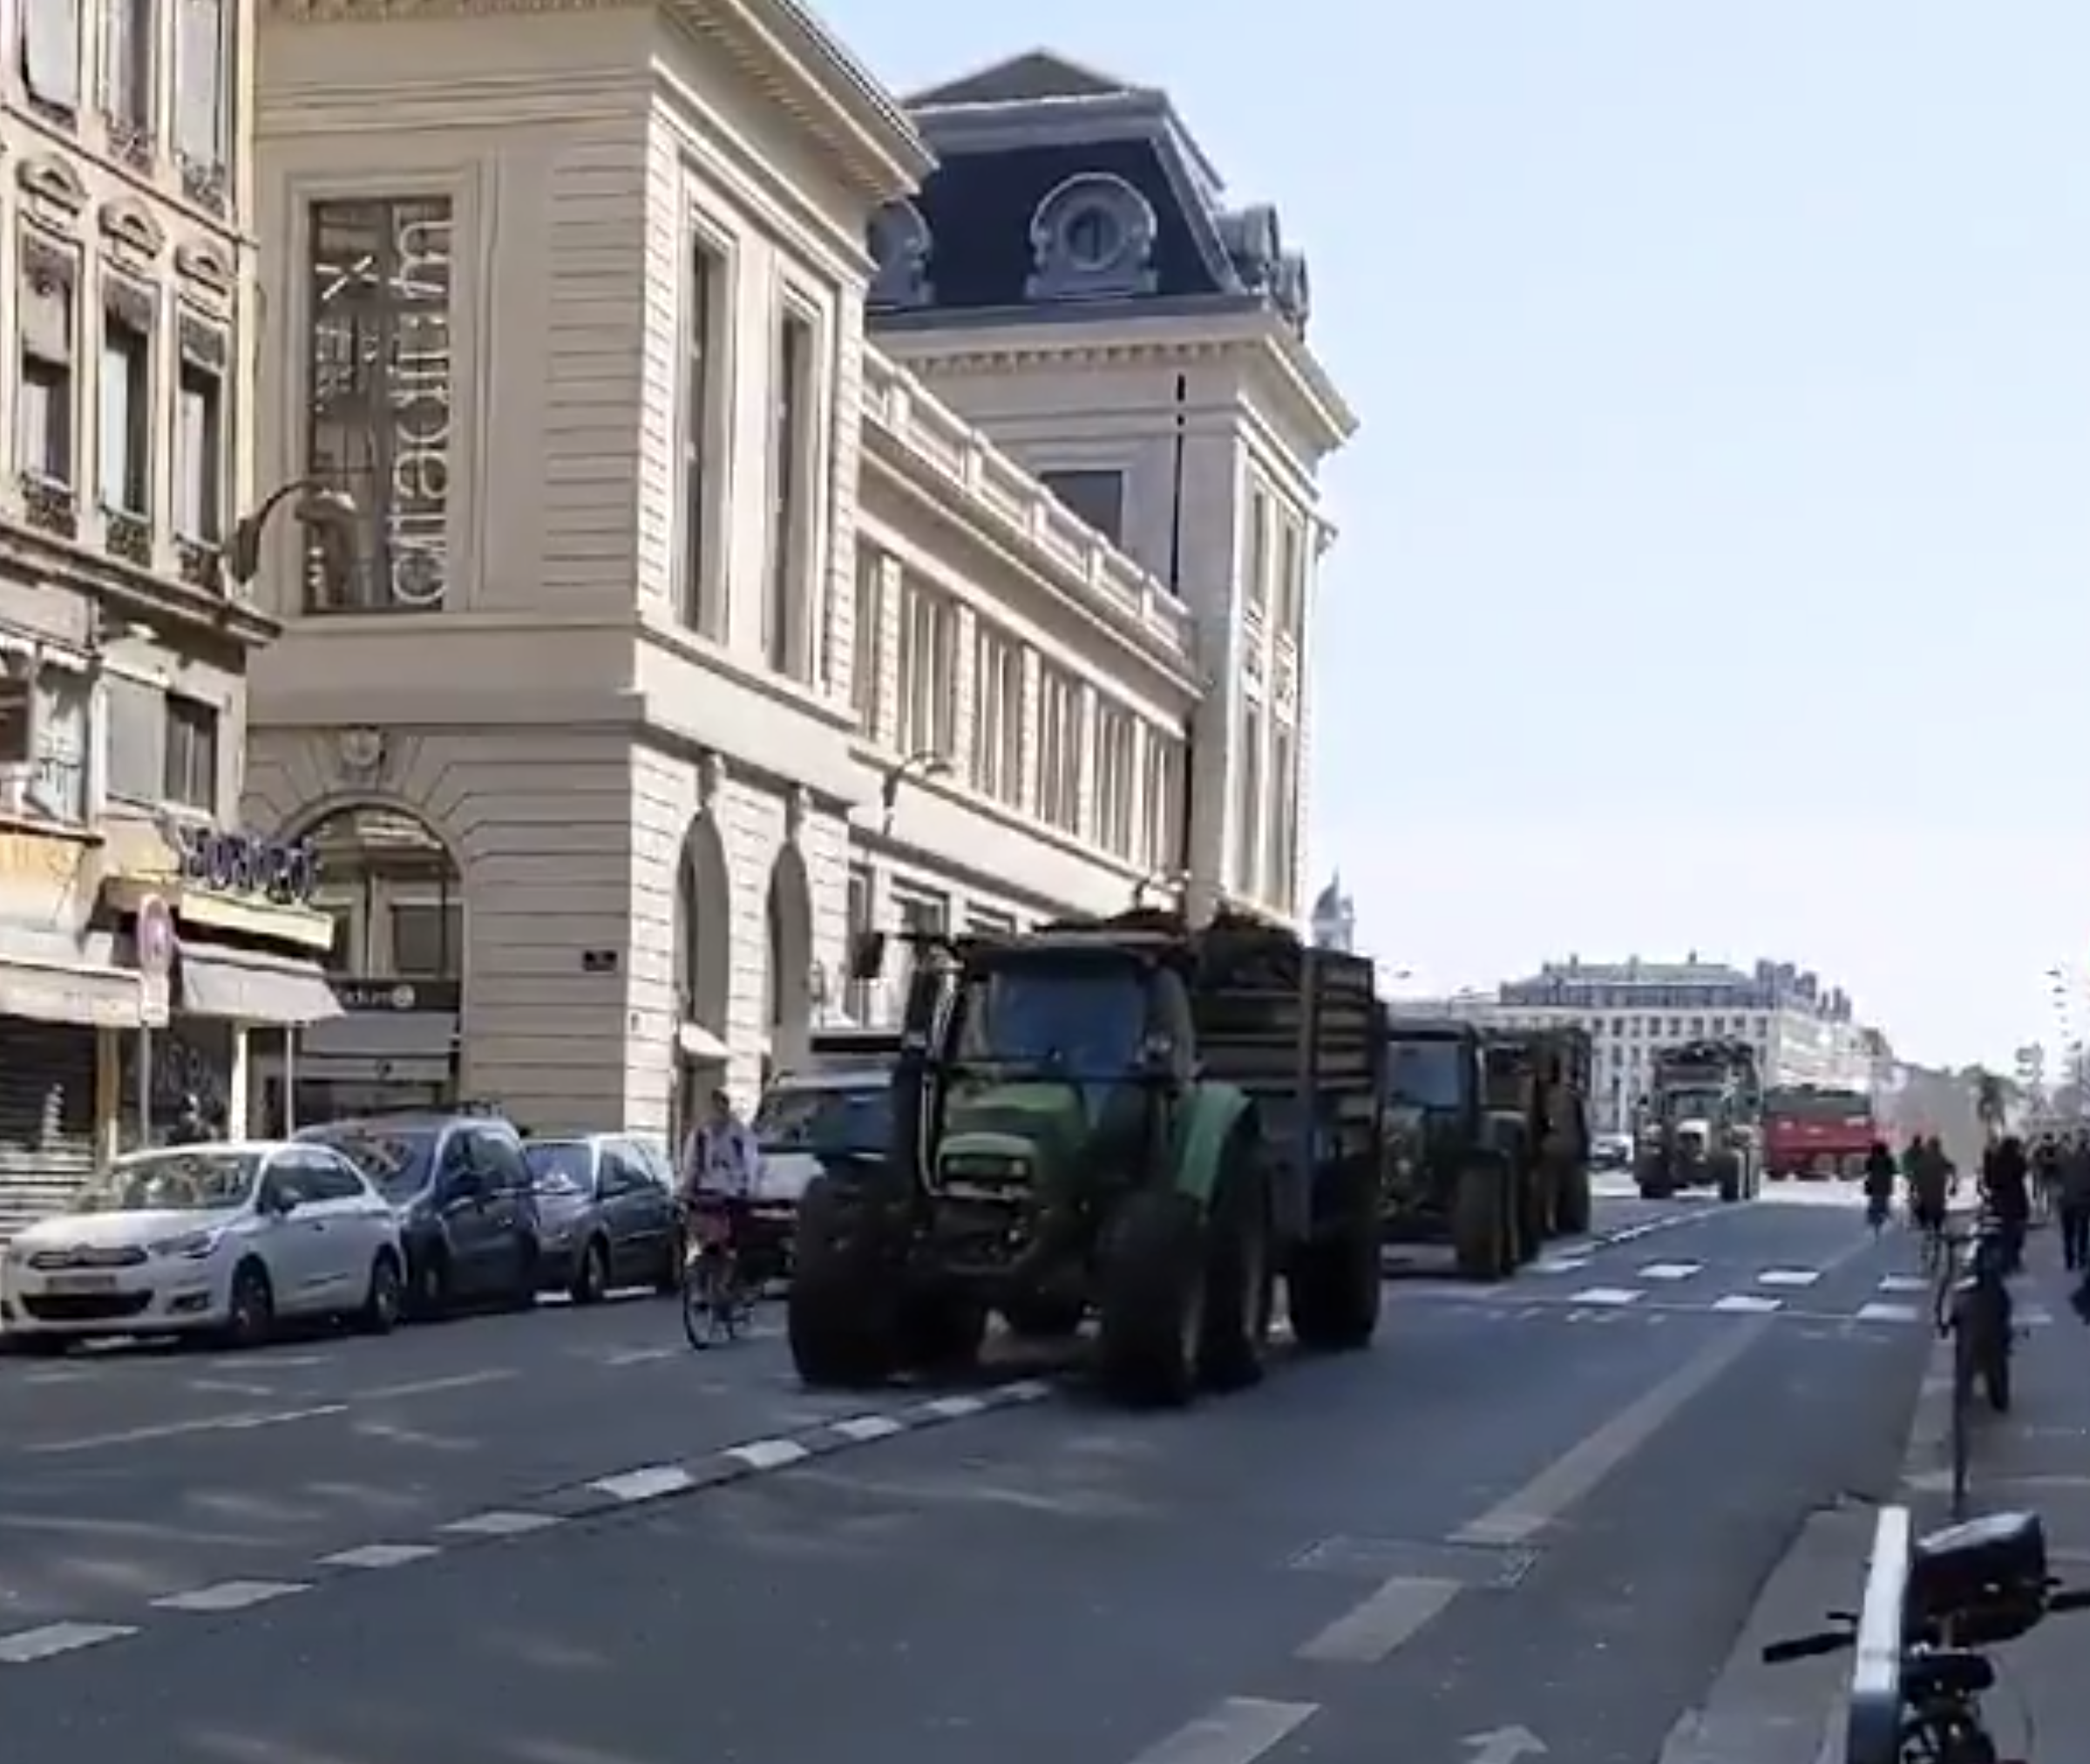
[[375, 1220]]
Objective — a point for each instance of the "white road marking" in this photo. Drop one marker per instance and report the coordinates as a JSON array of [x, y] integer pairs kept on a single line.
[[651, 1483], [2033, 1316], [1237, 1731], [1747, 1305], [28, 1645], [955, 1408], [231, 1595], [639, 1356], [180, 1429], [1606, 1295], [380, 1555], [1560, 1265], [865, 1428], [1391, 1616], [1026, 1390], [434, 1386], [768, 1455], [500, 1525], [1577, 1471], [1788, 1276], [1670, 1271], [1877, 1311], [1906, 1283]]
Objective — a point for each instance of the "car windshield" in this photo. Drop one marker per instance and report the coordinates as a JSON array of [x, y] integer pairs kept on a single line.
[[561, 1166], [825, 1118], [1425, 1074], [1077, 1020], [192, 1179], [395, 1159]]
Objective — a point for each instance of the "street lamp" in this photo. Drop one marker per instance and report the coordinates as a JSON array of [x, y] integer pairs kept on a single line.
[[329, 511], [924, 762]]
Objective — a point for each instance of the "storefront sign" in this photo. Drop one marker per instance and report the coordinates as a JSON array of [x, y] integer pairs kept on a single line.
[[398, 995], [228, 862]]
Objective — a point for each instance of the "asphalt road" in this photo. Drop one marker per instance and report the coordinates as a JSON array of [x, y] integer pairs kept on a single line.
[[1532, 1514]]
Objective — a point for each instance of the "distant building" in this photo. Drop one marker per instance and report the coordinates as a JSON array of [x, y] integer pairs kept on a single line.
[[1335, 917], [1804, 1032]]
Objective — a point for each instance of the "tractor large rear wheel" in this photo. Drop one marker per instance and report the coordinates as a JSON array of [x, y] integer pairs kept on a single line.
[[1150, 1328], [844, 1313]]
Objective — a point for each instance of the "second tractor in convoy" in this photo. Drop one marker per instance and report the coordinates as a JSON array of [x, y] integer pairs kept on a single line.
[[1699, 1121], [1128, 1119]]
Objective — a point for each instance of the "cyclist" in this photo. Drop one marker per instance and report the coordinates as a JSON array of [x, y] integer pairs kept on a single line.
[[2005, 1179], [1930, 1188], [721, 1166], [2074, 1203], [1879, 1183], [2045, 1175]]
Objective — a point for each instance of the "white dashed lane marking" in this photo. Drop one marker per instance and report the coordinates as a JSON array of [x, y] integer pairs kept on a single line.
[[28, 1646], [499, 1524], [1882, 1311], [1747, 1305], [380, 1555], [1606, 1295], [1788, 1276], [1905, 1283], [231, 1595], [652, 1483], [1670, 1271]]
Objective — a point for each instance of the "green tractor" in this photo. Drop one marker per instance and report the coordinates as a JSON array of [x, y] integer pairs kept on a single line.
[[1125, 1119], [1457, 1166]]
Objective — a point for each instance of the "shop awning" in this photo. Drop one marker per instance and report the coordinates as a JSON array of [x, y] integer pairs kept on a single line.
[[249, 986], [109, 998]]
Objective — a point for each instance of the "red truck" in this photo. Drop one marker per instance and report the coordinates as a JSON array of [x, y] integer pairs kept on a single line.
[[1810, 1132]]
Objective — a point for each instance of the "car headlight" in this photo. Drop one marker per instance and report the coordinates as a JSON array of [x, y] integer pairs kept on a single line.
[[192, 1246]]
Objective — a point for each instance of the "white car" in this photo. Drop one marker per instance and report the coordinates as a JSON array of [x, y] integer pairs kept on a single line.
[[219, 1238]]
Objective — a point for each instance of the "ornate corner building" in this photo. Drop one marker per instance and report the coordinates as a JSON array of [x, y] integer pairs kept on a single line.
[[780, 509], [141, 940]]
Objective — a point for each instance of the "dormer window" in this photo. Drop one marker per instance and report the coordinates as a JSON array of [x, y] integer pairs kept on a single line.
[[1092, 238]]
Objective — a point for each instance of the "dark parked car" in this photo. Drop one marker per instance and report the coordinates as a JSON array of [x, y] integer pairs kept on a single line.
[[605, 1209], [466, 1202]]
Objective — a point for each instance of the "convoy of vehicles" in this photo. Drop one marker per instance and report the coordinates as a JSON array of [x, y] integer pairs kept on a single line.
[[1814, 1132], [1699, 1125], [1488, 1140], [1130, 1118]]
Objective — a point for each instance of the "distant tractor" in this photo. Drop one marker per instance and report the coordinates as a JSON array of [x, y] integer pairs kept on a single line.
[[1699, 1121], [1126, 1119]]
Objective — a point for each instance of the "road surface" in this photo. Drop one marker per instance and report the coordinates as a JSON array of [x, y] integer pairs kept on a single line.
[[1535, 1516]]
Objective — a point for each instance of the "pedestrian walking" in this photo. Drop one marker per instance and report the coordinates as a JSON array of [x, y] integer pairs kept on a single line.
[[2074, 1201]]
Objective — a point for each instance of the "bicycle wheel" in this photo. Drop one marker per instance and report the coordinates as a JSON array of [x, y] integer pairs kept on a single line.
[[1963, 1402], [701, 1299], [1995, 1370]]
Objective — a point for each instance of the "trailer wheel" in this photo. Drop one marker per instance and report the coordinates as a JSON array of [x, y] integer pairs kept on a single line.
[[1575, 1204], [1240, 1278], [1151, 1320], [1481, 1224], [1334, 1291], [843, 1314]]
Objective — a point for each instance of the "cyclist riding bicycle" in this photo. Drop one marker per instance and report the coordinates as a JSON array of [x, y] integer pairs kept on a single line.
[[721, 1167], [1930, 1186], [1879, 1181]]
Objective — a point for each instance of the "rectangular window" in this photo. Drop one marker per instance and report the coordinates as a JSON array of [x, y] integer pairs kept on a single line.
[[136, 764], [127, 404], [202, 71], [200, 446], [928, 671], [1291, 577], [863, 682], [1116, 774], [44, 441], [191, 754], [1096, 497], [998, 717], [1284, 820], [1164, 781], [785, 627], [1257, 561], [64, 715], [380, 380], [1248, 803], [131, 32], [17, 692], [51, 53], [428, 938], [1059, 750], [705, 332], [858, 999], [989, 921]]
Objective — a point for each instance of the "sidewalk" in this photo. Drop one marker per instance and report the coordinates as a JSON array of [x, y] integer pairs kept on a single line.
[[2038, 1457]]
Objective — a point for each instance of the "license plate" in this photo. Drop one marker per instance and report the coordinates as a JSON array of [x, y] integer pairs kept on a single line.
[[80, 1283]]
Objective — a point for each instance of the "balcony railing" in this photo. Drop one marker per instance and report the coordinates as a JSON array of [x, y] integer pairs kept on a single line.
[[1009, 498]]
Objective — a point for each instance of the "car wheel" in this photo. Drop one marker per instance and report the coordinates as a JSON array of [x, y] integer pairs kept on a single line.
[[591, 1275], [386, 1298], [251, 1320], [431, 1285]]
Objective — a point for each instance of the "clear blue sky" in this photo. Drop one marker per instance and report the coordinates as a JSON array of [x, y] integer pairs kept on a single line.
[[1712, 567]]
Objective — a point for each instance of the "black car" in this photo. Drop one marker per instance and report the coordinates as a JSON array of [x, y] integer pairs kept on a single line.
[[605, 1207], [465, 1201]]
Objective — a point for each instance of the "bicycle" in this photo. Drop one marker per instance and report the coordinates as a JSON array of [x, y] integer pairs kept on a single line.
[[716, 1304], [1931, 1608]]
